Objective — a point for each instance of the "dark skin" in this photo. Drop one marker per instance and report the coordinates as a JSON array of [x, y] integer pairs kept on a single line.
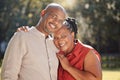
[[92, 65], [91, 71], [51, 20], [50, 23]]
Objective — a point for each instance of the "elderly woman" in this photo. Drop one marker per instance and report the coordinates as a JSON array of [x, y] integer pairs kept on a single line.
[[77, 60]]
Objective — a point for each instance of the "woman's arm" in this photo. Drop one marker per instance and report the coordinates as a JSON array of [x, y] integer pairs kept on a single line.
[[92, 67]]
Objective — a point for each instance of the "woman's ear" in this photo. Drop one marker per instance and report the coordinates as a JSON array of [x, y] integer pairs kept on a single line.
[[43, 12]]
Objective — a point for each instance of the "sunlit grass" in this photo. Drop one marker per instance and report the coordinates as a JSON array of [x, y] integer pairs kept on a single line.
[[108, 75], [111, 75]]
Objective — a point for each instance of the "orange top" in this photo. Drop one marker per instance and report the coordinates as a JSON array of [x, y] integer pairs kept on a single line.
[[76, 59]]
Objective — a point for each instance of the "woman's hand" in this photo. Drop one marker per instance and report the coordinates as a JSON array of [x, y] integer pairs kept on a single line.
[[23, 28], [63, 61]]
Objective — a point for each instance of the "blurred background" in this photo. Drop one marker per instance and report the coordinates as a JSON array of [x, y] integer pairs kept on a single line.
[[98, 20]]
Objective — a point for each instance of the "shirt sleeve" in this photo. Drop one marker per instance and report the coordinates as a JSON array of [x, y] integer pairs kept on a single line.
[[12, 61]]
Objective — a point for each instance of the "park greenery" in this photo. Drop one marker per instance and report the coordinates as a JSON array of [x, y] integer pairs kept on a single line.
[[98, 20]]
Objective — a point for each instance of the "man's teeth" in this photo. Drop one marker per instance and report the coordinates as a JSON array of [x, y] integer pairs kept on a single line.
[[52, 26], [62, 44]]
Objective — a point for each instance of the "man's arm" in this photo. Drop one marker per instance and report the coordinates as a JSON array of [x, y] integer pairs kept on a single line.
[[92, 67], [13, 58]]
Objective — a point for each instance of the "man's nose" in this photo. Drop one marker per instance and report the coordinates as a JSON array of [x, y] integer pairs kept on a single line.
[[56, 21]]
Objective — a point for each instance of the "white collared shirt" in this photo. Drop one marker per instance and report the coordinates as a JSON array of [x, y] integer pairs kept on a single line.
[[29, 56]]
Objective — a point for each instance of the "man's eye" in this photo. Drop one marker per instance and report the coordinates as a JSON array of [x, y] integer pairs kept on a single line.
[[54, 16]]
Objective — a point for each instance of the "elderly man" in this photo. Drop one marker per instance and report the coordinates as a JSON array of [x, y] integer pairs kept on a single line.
[[31, 55]]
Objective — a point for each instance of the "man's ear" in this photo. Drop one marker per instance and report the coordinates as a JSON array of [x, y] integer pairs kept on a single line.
[[43, 12]]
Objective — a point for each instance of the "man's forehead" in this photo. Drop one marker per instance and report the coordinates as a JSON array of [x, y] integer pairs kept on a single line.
[[60, 16], [54, 4], [57, 10]]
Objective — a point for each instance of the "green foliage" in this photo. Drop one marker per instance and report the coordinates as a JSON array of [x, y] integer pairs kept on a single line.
[[111, 61], [16, 13], [99, 20], [102, 19]]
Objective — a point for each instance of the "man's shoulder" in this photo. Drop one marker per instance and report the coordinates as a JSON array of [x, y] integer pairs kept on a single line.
[[24, 33]]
